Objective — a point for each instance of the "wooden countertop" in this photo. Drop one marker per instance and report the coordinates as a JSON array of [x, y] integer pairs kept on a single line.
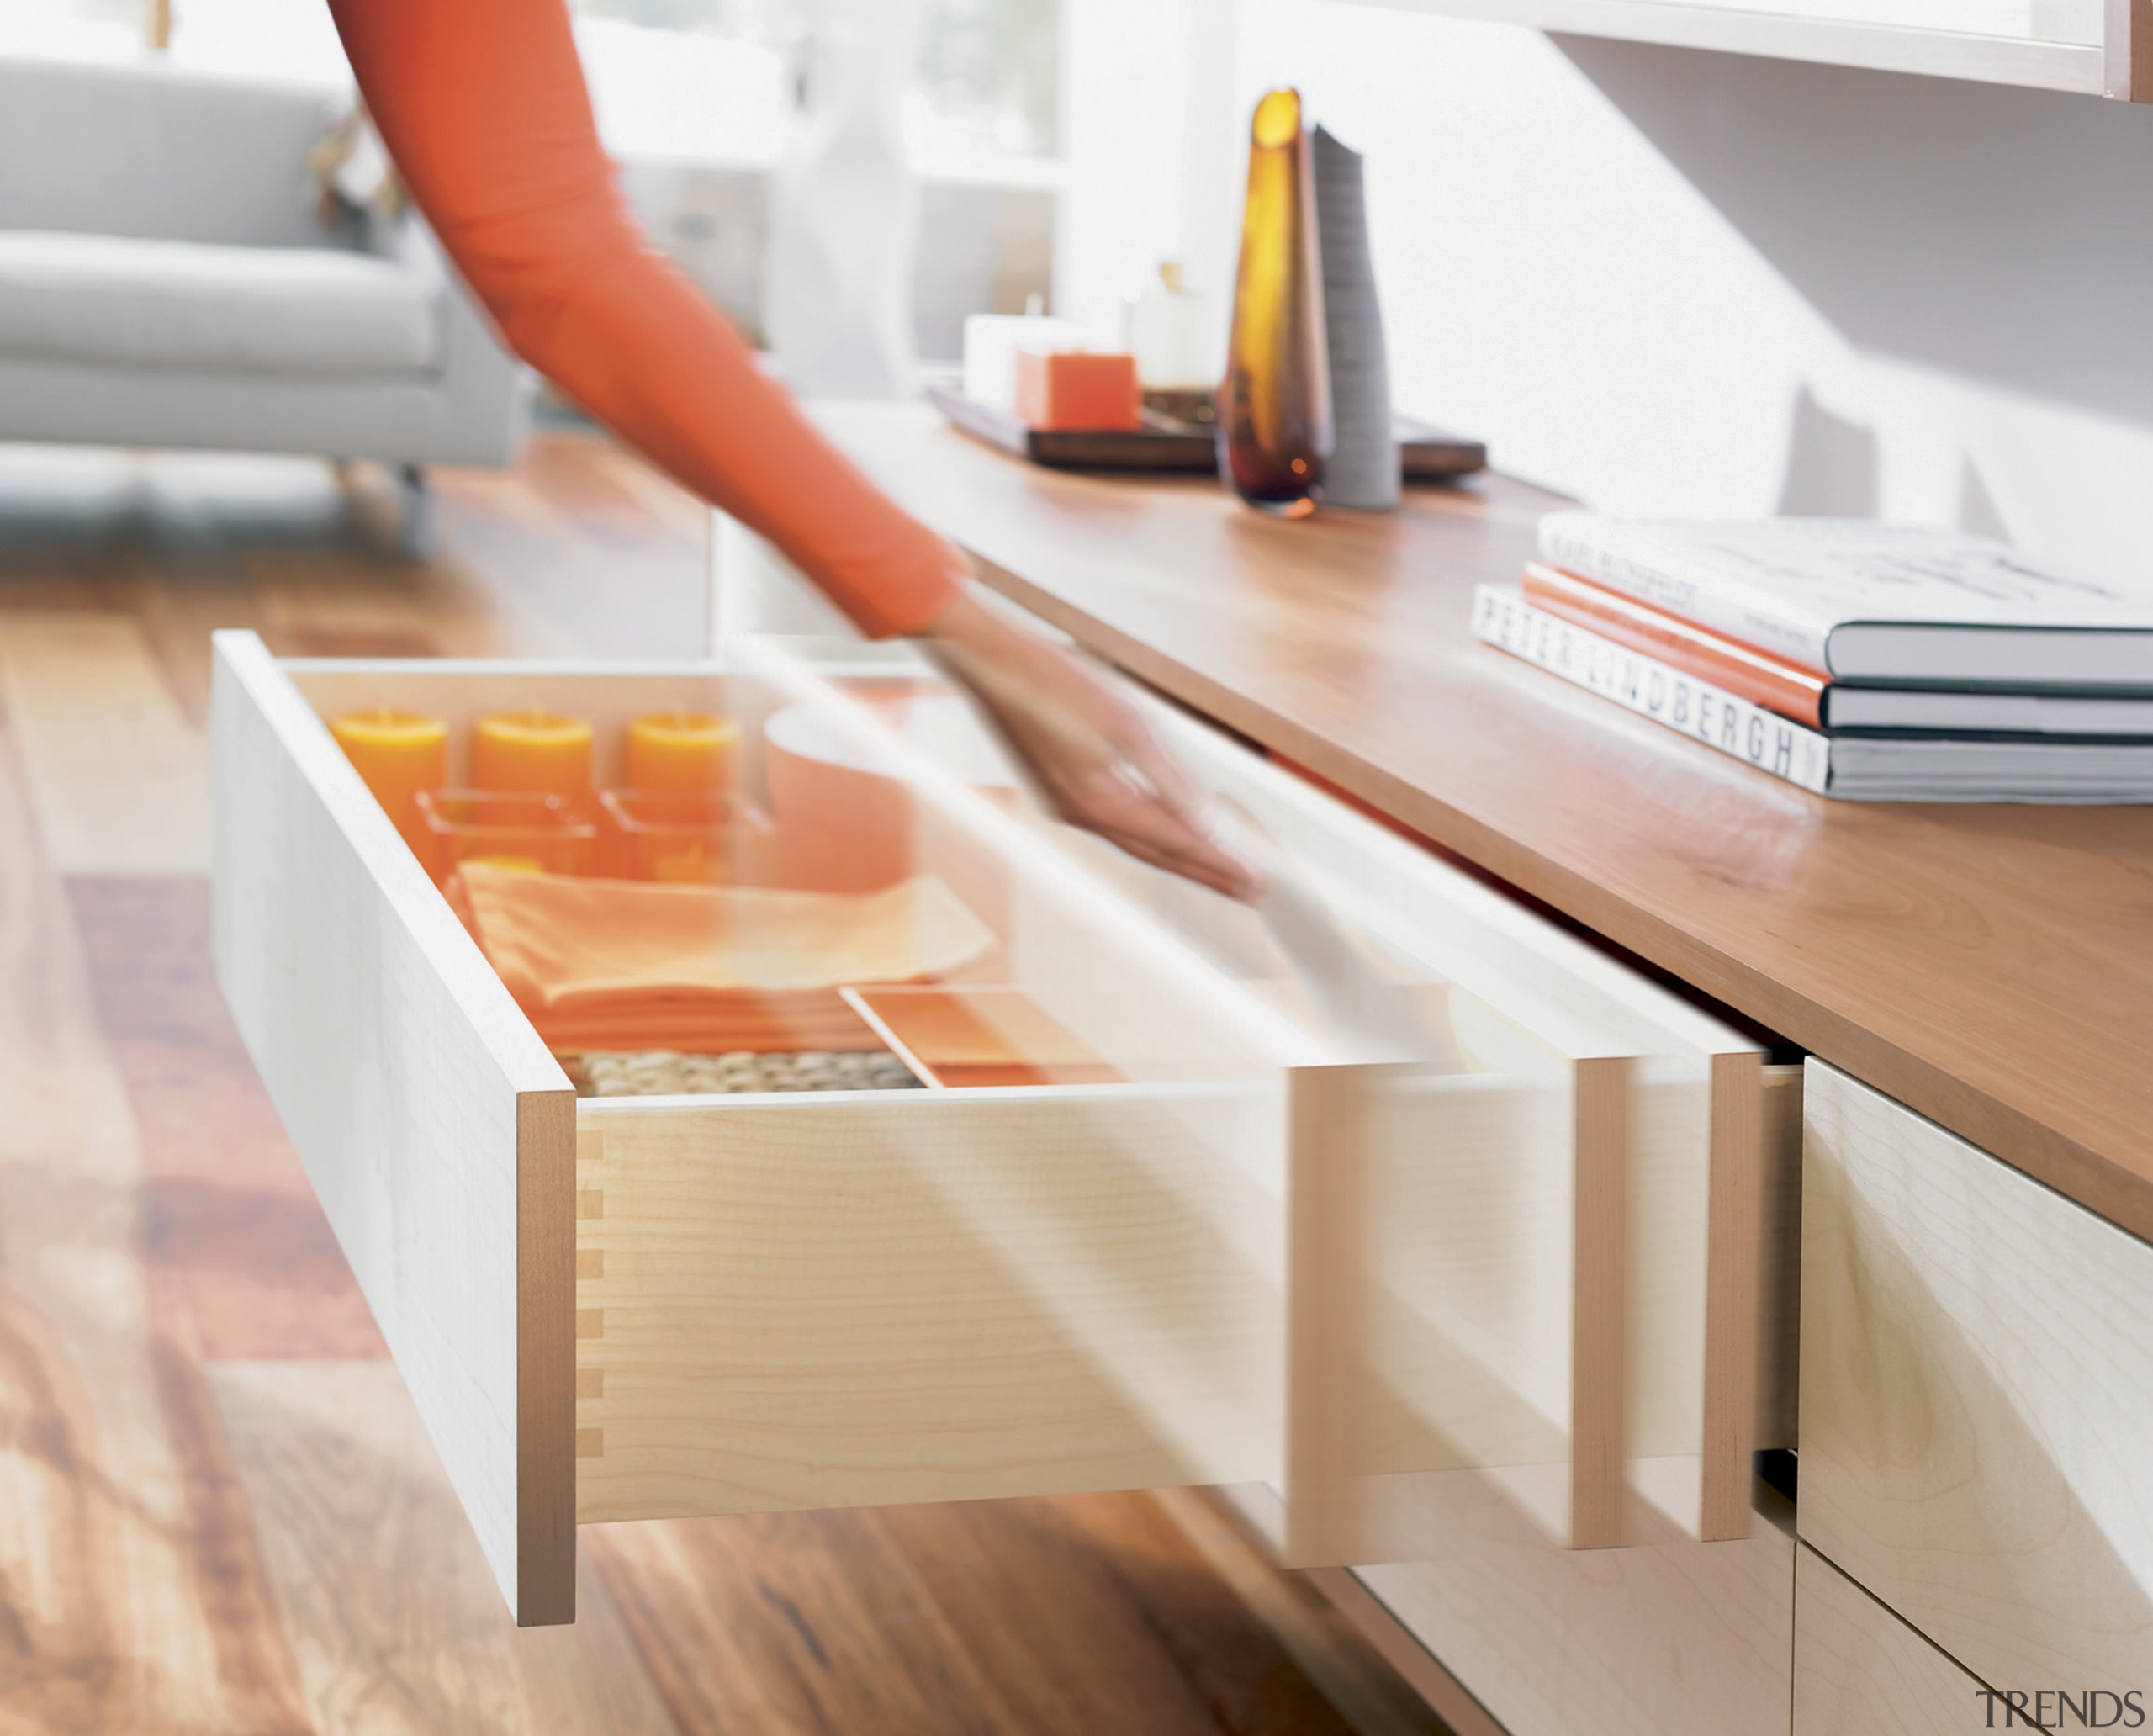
[[1991, 966]]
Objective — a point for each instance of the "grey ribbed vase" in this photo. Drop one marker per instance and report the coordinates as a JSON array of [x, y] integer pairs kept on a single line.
[[1363, 468]]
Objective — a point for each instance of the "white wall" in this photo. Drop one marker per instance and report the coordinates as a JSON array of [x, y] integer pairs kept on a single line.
[[1129, 135], [1684, 284]]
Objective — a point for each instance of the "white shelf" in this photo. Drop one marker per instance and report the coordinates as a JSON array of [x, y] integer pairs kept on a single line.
[[2089, 47]]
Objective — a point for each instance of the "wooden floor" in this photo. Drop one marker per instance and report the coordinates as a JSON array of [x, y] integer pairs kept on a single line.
[[217, 1511]]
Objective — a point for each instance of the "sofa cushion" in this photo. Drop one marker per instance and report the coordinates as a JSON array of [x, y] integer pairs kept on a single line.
[[128, 303]]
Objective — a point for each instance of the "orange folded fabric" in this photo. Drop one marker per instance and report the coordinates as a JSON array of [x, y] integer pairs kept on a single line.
[[615, 963]]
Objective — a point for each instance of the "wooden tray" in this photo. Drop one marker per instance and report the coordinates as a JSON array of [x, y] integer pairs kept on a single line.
[[1425, 454]]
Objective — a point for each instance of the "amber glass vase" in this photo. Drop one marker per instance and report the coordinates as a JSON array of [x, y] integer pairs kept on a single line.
[[1274, 403]]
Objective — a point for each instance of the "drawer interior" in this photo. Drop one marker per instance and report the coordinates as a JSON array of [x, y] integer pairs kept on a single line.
[[1159, 1216]]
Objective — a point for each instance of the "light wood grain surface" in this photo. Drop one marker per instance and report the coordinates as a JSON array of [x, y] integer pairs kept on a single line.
[[1492, 1317], [1779, 1266], [1859, 1670], [1659, 1639], [860, 1298], [1464, 1715], [1976, 1396], [1664, 1638], [1991, 965]]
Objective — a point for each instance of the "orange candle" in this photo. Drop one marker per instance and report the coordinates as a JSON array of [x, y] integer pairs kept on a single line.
[[685, 751], [397, 754], [532, 750]]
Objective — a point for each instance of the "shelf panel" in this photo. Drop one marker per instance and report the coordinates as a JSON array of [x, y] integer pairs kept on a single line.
[[2059, 59]]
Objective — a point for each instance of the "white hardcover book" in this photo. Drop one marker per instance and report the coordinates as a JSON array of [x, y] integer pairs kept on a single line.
[[1641, 684], [1934, 710], [1907, 768], [1891, 604]]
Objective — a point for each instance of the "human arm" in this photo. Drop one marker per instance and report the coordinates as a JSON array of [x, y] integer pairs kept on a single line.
[[482, 106]]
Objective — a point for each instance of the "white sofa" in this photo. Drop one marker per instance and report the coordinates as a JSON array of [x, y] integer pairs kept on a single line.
[[165, 280]]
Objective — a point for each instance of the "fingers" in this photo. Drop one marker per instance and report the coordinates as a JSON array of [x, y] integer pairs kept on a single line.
[[1136, 745], [1107, 802], [1184, 813], [1207, 866], [1097, 762]]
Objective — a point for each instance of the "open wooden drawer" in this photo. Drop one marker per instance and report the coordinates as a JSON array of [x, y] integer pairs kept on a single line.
[[1221, 1244]]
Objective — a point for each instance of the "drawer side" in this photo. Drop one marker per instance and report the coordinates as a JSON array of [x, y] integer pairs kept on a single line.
[[859, 1299], [438, 1133]]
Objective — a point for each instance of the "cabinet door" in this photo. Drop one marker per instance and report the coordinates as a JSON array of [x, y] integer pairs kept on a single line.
[[1977, 1398], [1858, 1670], [1669, 1637]]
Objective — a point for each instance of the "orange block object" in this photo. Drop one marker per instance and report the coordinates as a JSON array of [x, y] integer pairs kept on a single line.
[[397, 754], [1077, 390]]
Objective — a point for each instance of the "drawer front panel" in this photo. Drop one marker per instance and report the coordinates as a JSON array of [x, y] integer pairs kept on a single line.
[[1858, 1670], [1600, 1289], [1977, 1398]]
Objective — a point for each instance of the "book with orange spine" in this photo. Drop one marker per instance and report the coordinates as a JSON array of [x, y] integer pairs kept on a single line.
[[1763, 678], [1881, 765]]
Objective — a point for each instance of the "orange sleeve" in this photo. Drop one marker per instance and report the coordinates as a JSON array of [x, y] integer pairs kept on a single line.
[[481, 105]]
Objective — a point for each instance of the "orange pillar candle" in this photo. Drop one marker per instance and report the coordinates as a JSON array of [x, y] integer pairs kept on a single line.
[[397, 754], [688, 752], [532, 750]]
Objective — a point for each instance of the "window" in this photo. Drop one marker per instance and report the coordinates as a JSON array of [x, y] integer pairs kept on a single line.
[[703, 79], [691, 95], [74, 29], [989, 76]]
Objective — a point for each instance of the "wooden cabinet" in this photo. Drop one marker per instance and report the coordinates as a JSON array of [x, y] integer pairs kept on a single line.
[[1975, 1374], [1236, 1247], [1665, 1637], [1859, 1670], [1977, 1399], [2091, 47]]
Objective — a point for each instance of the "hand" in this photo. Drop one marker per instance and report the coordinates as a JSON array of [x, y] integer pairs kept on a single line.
[[1097, 764]]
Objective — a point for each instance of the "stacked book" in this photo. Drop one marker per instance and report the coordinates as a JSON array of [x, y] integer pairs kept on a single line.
[[1874, 662]]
